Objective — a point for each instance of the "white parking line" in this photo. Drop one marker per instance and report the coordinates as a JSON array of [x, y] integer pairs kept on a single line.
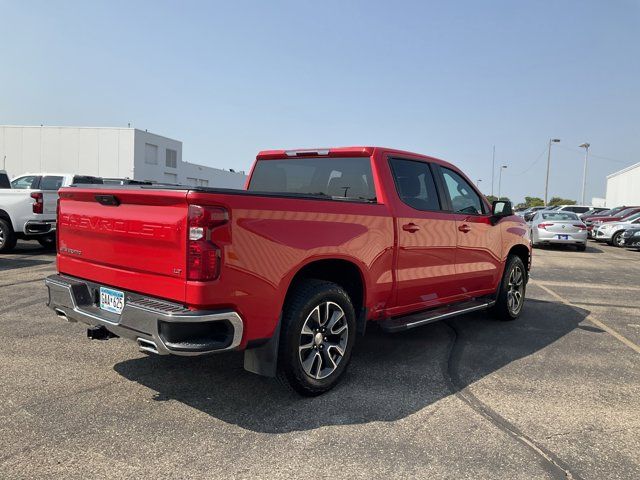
[[591, 317]]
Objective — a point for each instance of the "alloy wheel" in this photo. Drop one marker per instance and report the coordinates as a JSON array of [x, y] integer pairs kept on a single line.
[[323, 340], [3, 237], [515, 292]]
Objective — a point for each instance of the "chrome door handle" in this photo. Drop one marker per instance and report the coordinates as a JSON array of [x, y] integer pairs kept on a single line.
[[410, 227]]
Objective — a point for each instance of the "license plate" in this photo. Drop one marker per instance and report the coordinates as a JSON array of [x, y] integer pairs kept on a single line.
[[111, 300], [563, 237]]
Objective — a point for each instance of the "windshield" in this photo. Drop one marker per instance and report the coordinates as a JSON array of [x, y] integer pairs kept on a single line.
[[624, 212], [559, 216], [336, 178]]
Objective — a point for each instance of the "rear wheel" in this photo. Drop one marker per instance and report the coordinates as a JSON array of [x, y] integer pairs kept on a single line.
[[617, 240], [511, 293], [7, 237], [318, 333], [48, 241]]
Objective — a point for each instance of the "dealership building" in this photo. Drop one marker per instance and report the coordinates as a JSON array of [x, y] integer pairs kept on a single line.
[[623, 187], [105, 152]]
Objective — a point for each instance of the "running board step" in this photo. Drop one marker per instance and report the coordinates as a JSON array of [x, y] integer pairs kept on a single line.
[[399, 324]]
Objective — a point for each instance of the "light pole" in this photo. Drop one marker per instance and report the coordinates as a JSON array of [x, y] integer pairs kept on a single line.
[[478, 183], [586, 146], [546, 182], [500, 181], [493, 168]]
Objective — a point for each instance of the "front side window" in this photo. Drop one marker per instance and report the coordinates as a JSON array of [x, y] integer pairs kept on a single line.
[[464, 198], [337, 178], [29, 181], [51, 183], [415, 184]]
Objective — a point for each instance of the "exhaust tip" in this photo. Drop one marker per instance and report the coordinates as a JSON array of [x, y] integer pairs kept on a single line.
[[62, 315], [147, 346]]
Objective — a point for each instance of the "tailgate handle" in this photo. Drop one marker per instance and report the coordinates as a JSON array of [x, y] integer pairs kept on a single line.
[[107, 200]]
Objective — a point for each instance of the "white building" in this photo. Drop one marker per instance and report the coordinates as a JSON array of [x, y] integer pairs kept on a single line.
[[623, 187], [105, 152]]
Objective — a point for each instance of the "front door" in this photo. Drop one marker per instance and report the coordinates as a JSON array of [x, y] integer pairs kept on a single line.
[[479, 245], [425, 265]]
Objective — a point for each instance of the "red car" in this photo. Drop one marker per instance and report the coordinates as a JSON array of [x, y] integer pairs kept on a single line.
[[292, 268], [620, 216]]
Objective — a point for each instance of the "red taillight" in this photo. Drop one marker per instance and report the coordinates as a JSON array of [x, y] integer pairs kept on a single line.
[[38, 205], [581, 226], [545, 225], [204, 256]]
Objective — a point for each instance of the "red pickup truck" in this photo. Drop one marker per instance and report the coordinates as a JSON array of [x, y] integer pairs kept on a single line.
[[292, 268]]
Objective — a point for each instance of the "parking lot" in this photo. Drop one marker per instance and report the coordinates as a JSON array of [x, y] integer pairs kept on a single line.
[[555, 394]]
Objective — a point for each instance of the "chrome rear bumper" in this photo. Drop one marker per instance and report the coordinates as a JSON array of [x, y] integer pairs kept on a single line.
[[156, 325]]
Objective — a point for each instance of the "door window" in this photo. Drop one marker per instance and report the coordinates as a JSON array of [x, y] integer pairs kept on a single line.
[[29, 181], [415, 184], [464, 198]]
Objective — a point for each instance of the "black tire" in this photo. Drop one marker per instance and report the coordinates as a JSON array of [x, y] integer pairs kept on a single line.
[[618, 240], [47, 241], [503, 308], [7, 237], [298, 314], [581, 248]]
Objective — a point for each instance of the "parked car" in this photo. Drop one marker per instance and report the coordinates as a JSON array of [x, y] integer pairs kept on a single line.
[[594, 211], [578, 209], [4, 180], [612, 232], [292, 268], [529, 213], [622, 215], [632, 238], [28, 208], [558, 228]]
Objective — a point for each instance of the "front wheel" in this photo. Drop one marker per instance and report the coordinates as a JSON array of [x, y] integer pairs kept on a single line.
[[618, 240], [511, 292], [318, 333]]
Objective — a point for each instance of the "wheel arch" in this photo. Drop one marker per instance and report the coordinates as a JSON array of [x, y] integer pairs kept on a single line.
[[523, 252], [342, 271]]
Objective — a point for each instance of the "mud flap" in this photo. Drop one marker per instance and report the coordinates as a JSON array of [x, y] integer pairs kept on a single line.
[[263, 360]]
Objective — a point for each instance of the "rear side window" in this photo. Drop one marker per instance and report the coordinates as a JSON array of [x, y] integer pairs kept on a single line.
[[464, 198], [28, 181], [337, 178], [415, 184], [51, 183]]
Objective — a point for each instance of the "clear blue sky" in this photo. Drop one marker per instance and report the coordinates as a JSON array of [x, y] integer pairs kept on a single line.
[[448, 79]]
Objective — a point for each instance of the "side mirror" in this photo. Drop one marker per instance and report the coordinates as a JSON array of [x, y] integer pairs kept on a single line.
[[501, 208]]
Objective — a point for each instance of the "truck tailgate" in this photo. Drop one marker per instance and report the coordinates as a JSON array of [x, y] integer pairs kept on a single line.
[[133, 239]]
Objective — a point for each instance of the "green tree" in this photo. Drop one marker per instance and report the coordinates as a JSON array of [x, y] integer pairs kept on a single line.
[[533, 202], [561, 201], [491, 198]]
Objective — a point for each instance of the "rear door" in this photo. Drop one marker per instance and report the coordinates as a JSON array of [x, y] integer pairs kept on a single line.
[[479, 242], [425, 265]]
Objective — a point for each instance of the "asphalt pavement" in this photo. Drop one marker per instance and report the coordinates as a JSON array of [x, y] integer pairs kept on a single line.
[[555, 394]]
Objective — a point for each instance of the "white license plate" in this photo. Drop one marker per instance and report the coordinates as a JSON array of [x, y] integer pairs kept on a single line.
[[111, 300], [563, 237]]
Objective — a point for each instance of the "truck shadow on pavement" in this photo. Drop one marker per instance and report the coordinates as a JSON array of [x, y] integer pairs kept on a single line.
[[391, 376]]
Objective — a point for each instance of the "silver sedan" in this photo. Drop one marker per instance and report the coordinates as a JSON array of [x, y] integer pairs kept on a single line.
[[558, 227]]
